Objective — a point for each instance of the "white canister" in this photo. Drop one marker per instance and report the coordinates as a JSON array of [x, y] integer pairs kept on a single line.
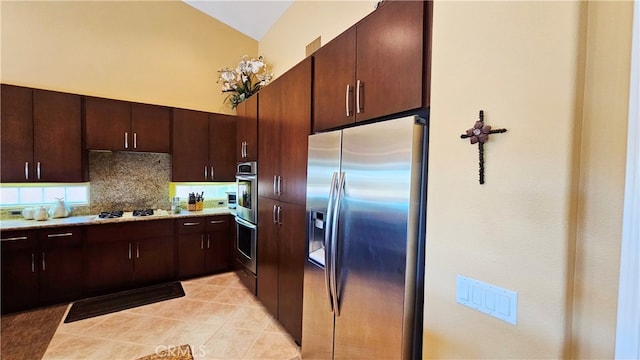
[[40, 213], [27, 213]]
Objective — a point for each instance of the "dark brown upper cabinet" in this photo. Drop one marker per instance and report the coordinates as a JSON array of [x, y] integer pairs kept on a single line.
[[124, 126], [284, 123], [247, 130], [378, 67], [41, 136], [203, 146]]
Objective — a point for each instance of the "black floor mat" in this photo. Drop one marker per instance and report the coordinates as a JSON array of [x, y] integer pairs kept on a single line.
[[111, 303]]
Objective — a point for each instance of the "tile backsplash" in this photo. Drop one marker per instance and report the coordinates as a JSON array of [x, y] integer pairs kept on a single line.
[[128, 181]]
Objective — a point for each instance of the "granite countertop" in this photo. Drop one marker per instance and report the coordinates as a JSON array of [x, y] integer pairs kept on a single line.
[[21, 224]]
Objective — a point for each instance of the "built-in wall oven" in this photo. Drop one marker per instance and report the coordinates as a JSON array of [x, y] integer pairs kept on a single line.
[[246, 215], [246, 234], [247, 191]]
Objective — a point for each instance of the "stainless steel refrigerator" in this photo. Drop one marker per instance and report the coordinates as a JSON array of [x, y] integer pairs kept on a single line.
[[364, 273]]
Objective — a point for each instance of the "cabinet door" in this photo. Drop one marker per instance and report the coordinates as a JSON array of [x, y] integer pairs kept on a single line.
[[108, 124], [267, 265], [222, 140], [190, 145], [154, 261], [269, 138], [151, 128], [191, 244], [16, 144], [390, 67], [291, 259], [334, 82], [295, 125], [218, 245], [19, 270], [57, 137], [191, 255], [247, 136], [60, 255], [108, 255]]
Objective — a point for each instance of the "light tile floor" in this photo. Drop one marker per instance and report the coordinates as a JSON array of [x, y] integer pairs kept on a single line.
[[218, 318]]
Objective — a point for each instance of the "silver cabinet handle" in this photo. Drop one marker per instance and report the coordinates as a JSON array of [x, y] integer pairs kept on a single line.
[[279, 185], [202, 242], [244, 149], [275, 189], [44, 266], [135, 140], [38, 169], [213, 176], [274, 214], [208, 241], [59, 235], [359, 85], [216, 222], [242, 155], [126, 140], [33, 262], [205, 172], [346, 100], [191, 223], [279, 216], [26, 170], [129, 250], [15, 238], [137, 250]]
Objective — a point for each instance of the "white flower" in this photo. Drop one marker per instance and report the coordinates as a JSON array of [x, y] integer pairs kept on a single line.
[[249, 76]]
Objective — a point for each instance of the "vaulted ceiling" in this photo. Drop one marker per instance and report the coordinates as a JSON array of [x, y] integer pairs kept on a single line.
[[252, 18]]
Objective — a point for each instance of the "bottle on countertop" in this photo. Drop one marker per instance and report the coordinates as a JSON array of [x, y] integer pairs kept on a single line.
[[175, 205]]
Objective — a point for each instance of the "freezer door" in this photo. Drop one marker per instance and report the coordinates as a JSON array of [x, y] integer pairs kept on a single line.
[[382, 163], [318, 318]]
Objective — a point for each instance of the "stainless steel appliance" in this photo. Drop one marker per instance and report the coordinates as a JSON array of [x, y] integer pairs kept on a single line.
[[245, 248], [246, 214], [247, 191], [363, 281]]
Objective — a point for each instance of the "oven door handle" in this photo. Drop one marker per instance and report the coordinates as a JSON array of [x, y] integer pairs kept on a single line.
[[246, 223], [245, 177]]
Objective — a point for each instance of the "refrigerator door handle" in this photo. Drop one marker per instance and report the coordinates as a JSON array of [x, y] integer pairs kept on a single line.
[[328, 243], [334, 248]]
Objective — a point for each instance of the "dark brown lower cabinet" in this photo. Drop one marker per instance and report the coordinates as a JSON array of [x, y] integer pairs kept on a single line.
[[204, 245], [125, 255], [19, 271], [281, 256], [40, 267], [60, 264]]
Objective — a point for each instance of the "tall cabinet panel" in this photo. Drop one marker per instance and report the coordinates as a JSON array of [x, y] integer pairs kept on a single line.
[[284, 123], [247, 130], [222, 159], [285, 119]]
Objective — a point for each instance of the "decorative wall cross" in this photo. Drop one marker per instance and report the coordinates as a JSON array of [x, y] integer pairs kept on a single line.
[[479, 133]]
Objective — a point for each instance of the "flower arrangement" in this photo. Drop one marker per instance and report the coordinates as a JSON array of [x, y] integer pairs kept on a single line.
[[245, 80]]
